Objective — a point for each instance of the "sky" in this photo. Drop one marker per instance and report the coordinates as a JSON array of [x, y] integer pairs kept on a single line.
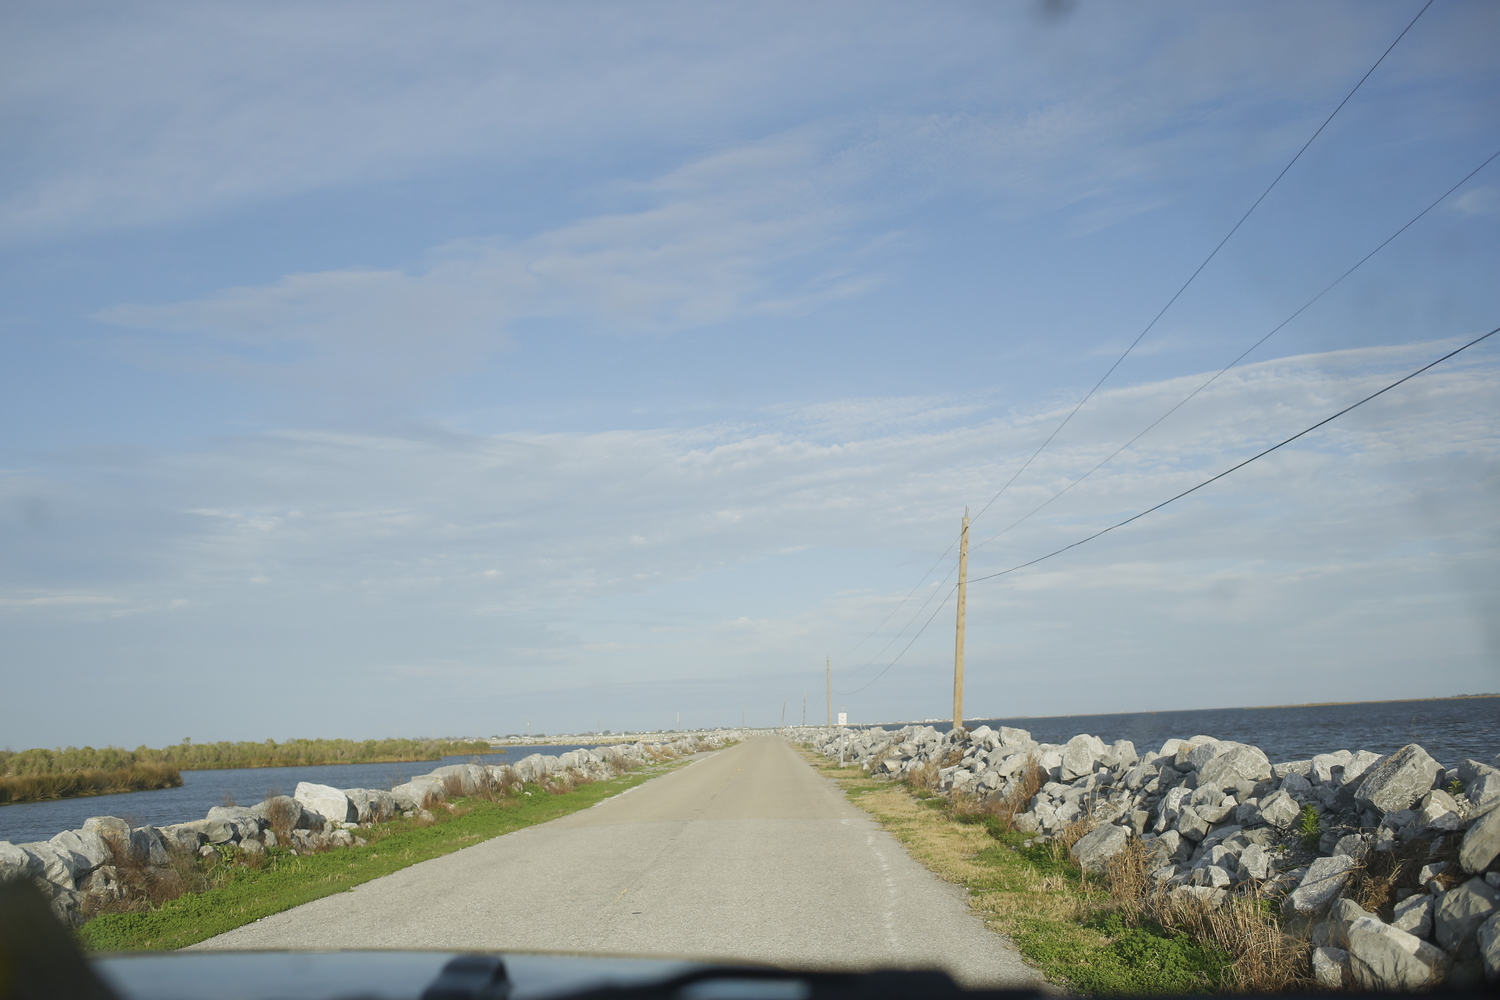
[[377, 369]]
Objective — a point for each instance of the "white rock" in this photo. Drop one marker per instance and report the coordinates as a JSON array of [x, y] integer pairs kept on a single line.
[[1327, 767], [1320, 885], [1460, 911], [325, 800], [1331, 968], [16, 863], [1414, 915], [1489, 948], [1381, 957]]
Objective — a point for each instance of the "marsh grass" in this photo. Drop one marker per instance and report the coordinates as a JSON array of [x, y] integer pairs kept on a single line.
[[37, 787]]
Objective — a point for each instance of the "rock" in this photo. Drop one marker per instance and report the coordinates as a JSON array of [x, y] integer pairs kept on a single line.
[[215, 831], [412, 794], [1297, 786], [1122, 754], [1191, 825], [1342, 913], [1238, 770], [88, 849], [1414, 916], [57, 867], [1279, 810], [110, 828], [1202, 894], [1328, 768], [65, 902], [1255, 863], [279, 811], [470, 777], [147, 846], [1321, 884], [1010, 737], [240, 816], [1353, 845], [1399, 781], [1281, 771], [16, 863], [1358, 764], [1482, 843], [1382, 957], [328, 802], [1489, 948], [183, 837], [1460, 911], [1331, 968], [251, 846], [1440, 812], [1095, 848], [371, 805]]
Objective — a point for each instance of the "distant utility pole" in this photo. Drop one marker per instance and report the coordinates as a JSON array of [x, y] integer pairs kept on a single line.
[[783, 713], [958, 641], [804, 709], [828, 682]]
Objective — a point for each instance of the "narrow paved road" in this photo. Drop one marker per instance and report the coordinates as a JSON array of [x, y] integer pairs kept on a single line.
[[745, 854]]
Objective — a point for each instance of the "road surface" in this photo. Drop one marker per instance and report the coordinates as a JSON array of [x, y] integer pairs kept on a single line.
[[744, 854]]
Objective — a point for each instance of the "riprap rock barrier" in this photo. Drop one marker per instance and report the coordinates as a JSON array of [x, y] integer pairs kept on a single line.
[[1218, 820]]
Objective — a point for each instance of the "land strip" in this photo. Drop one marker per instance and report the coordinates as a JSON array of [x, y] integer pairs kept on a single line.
[[746, 855]]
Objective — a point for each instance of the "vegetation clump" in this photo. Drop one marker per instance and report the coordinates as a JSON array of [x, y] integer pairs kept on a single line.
[[32, 775]]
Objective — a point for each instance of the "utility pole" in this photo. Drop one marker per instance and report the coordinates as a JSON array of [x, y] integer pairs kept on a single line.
[[828, 682], [783, 713], [958, 642], [804, 709]]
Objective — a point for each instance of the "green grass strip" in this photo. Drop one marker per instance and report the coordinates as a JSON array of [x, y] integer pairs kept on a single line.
[[291, 880]]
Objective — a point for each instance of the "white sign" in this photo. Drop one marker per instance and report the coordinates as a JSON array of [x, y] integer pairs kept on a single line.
[[843, 718]]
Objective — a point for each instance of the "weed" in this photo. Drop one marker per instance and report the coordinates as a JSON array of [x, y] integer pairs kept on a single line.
[[1310, 826]]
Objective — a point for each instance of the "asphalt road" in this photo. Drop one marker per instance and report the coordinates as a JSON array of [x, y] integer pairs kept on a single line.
[[745, 854]]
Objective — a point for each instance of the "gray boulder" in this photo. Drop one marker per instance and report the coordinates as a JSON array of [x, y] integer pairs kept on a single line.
[[1094, 849], [239, 815], [1331, 967], [111, 828], [1010, 737], [1255, 863], [1414, 915], [1489, 948], [88, 849], [1328, 768], [1381, 957], [148, 847], [279, 811], [1481, 843], [1321, 884], [1191, 825], [412, 793], [1360, 763], [1079, 757], [183, 838], [1460, 911], [1280, 810], [471, 777], [1237, 771], [215, 831], [325, 800], [1399, 781], [371, 805], [16, 863], [57, 867]]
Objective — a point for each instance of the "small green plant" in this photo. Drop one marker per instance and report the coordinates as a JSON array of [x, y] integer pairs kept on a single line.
[[1310, 826], [1455, 788]]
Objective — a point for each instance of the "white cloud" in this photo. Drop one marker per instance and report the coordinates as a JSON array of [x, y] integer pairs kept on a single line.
[[718, 550]]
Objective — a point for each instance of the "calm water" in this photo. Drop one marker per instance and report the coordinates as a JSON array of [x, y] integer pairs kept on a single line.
[[1449, 730], [201, 790]]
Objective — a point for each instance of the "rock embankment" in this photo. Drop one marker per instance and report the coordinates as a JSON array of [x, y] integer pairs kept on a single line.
[[79, 870], [1417, 841]]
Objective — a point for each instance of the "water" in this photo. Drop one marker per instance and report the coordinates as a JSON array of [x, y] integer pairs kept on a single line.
[[1449, 730], [23, 822]]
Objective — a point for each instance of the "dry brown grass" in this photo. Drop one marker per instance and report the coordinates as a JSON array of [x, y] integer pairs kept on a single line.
[[1265, 959], [1016, 801], [71, 784]]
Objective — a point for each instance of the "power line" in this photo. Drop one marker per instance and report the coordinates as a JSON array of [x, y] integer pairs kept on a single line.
[[1245, 353], [1241, 465], [1164, 503], [1212, 254]]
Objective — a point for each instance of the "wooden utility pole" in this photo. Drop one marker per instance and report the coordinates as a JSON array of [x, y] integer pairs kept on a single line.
[[828, 682], [958, 641], [783, 713]]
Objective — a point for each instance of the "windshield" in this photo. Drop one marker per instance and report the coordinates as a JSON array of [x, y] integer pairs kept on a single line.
[[758, 482]]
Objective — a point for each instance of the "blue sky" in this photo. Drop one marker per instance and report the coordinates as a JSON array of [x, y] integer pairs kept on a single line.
[[388, 369]]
